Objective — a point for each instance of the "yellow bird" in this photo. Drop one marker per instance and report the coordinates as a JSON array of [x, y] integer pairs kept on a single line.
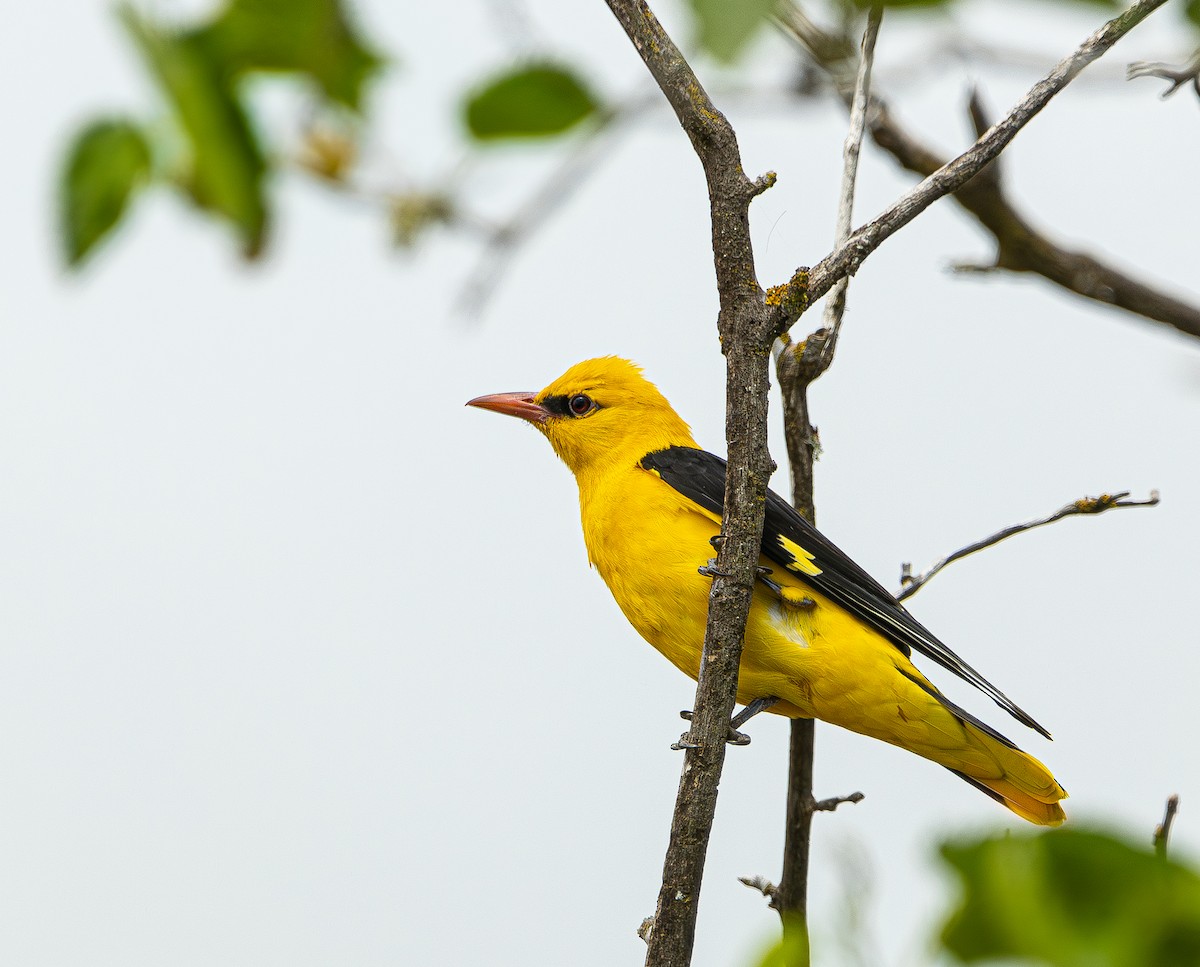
[[824, 639]]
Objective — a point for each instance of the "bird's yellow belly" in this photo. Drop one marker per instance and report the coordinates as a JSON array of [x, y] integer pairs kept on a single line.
[[654, 577], [815, 658]]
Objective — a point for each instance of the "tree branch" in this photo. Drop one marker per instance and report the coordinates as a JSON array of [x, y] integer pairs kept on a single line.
[[1019, 246], [745, 339], [796, 368], [911, 584], [835, 305], [846, 259], [1189, 73]]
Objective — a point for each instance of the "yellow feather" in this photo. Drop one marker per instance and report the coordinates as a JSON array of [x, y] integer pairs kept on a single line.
[[648, 542]]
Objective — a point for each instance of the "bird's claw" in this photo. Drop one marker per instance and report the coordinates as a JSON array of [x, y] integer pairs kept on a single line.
[[712, 571], [733, 737]]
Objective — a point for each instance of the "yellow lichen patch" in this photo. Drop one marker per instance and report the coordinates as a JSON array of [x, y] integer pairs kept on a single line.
[[803, 562], [1094, 505], [794, 295]]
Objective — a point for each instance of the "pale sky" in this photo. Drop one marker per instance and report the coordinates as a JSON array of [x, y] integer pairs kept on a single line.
[[301, 662]]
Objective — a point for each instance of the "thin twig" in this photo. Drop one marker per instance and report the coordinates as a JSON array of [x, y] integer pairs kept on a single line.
[[790, 300], [763, 885], [1162, 831], [1178, 76], [835, 305], [831, 804], [911, 584]]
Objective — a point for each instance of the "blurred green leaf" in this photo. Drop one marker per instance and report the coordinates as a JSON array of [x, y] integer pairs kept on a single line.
[[791, 951], [224, 168], [916, 4], [1192, 11], [1073, 898], [533, 101], [106, 163], [313, 37], [726, 26]]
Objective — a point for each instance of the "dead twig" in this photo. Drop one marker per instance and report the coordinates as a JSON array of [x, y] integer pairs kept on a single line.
[[1189, 73], [832, 803], [911, 584], [835, 305], [763, 885]]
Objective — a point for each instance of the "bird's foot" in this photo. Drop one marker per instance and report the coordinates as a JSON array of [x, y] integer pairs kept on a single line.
[[710, 570], [763, 573], [733, 736]]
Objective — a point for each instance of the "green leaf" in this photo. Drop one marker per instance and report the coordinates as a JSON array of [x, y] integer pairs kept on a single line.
[[107, 162], [913, 4], [313, 37], [223, 168], [1192, 11], [726, 26], [791, 951], [1072, 898], [533, 101]]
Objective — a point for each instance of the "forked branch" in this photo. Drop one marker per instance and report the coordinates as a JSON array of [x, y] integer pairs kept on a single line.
[[1189, 73], [846, 259], [1020, 245]]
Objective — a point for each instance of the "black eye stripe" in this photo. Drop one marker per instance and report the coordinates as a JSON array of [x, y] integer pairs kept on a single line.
[[560, 404], [557, 405]]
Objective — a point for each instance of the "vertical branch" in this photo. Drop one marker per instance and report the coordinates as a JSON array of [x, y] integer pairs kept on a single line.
[[835, 305], [797, 367], [746, 332]]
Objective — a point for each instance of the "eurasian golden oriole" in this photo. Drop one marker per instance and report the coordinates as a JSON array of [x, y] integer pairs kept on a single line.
[[824, 639]]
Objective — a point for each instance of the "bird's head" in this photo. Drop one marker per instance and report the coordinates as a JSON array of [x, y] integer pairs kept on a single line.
[[599, 413]]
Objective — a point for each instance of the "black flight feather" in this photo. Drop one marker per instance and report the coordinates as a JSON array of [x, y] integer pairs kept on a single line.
[[700, 476]]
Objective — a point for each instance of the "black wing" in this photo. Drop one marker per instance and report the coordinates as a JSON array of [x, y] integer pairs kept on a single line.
[[700, 476]]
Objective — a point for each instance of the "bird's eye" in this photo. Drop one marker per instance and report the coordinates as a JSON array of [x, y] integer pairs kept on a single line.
[[580, 405]]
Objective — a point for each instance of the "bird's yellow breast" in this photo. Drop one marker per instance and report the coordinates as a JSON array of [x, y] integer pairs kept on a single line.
[[649, 542]]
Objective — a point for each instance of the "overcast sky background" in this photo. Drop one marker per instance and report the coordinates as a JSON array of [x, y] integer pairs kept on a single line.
[[301, 661]]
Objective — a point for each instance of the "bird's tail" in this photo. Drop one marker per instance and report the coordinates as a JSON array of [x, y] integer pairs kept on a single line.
[[989, 761], [1014, 778]]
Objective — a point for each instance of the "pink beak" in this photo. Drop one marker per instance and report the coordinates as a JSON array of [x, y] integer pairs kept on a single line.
[[513, 404]]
